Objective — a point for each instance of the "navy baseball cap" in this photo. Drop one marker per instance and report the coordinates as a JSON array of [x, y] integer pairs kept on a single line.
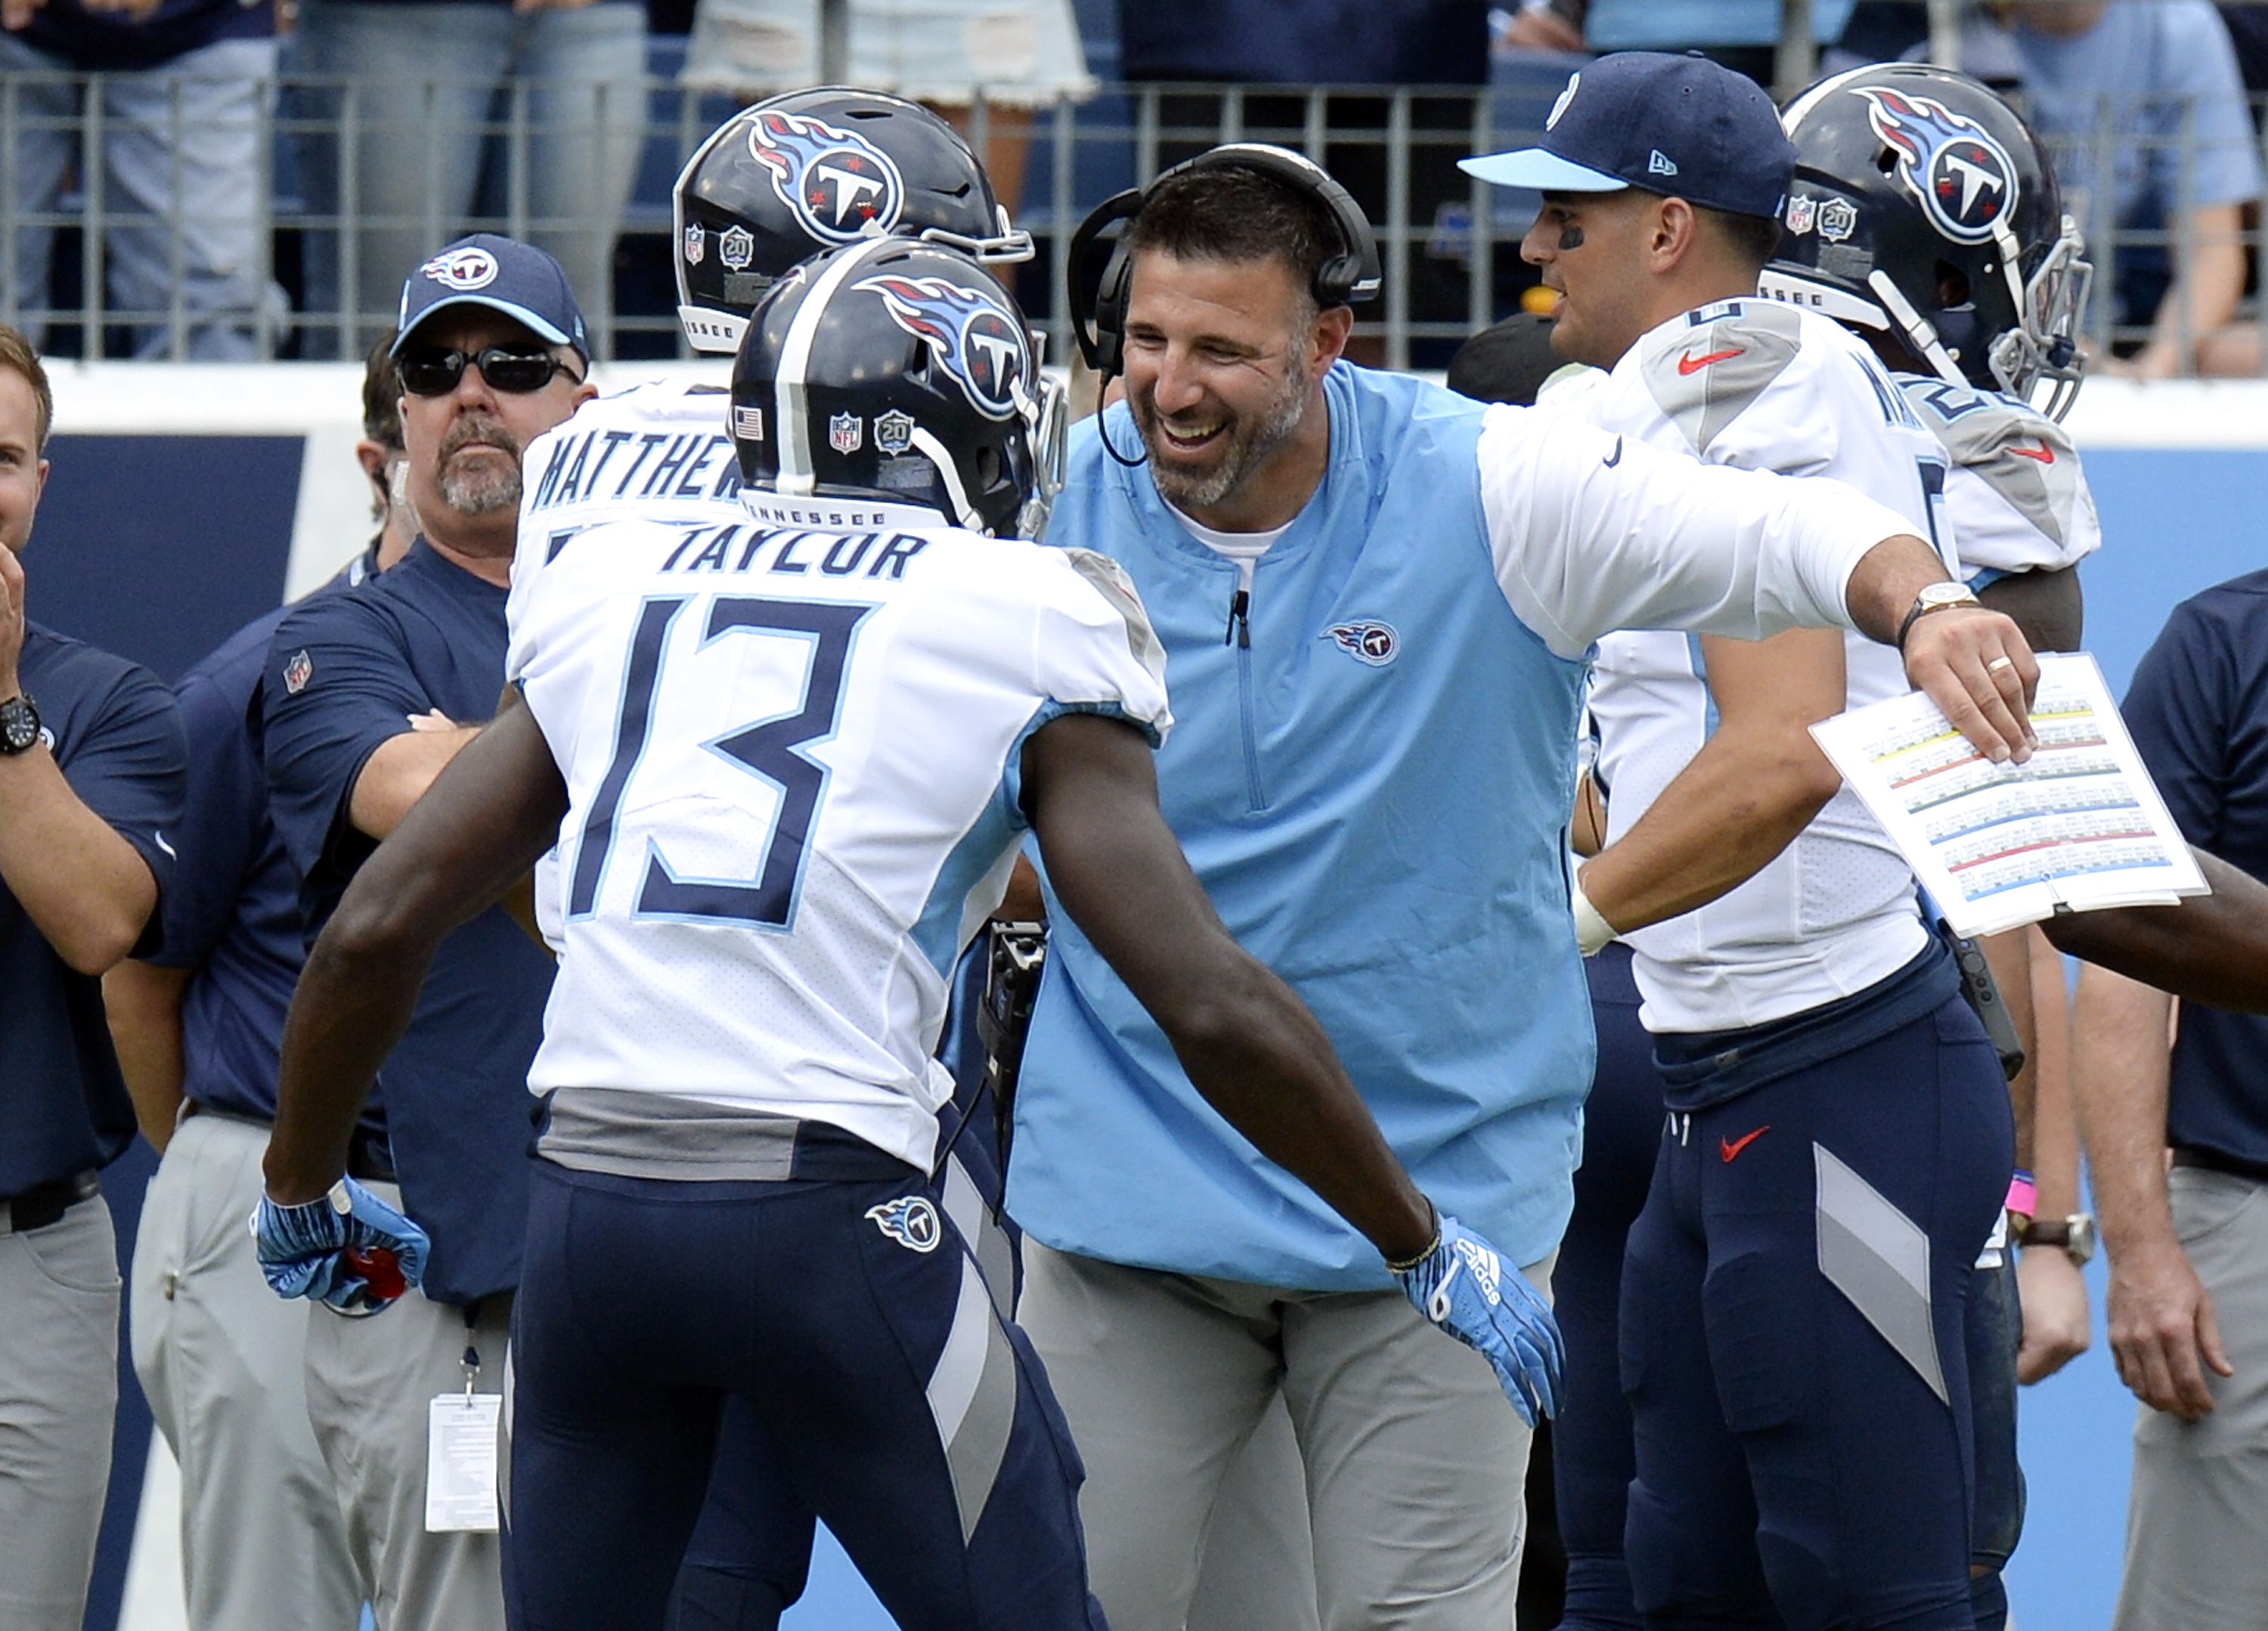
[[505, 276], [1682, 126]]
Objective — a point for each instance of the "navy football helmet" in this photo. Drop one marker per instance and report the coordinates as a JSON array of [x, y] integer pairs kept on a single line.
[[899, 370], [1924, 207], [810, 170]]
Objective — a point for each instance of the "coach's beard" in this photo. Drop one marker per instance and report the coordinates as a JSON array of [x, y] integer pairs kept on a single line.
[[485, 485], [1244, 445]]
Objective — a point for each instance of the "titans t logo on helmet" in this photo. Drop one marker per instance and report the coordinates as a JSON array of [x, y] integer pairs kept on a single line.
[[975, 339], [1964, 178], [840, 185]]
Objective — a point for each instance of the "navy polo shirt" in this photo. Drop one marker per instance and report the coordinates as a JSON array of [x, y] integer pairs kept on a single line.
[[116, 734], [2199, 711], [344, 673], [234, 912]]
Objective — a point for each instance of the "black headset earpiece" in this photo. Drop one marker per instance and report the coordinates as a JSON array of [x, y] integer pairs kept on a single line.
[[1099, 326]]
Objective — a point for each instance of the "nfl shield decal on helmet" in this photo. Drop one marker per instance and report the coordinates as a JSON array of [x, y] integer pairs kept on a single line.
[[910, 1221], [974, 338], [841, 186], [1965, 179], [736, 246], [697, 244], [1801, 212], [296, 671], [1368, 641], [462, 268], [846, 433], [894, 432]]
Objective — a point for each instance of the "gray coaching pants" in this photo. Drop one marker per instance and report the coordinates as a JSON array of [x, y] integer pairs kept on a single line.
[[1412, 1458], [59, 1294], [2197, 1528], [369, 1382], [224, 1362]]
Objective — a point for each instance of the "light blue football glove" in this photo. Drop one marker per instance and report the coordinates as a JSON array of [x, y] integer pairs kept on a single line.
[[1463, 1286], [349, 1249]]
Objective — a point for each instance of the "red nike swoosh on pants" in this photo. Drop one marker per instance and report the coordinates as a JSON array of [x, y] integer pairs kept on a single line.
[[1734, 1146]]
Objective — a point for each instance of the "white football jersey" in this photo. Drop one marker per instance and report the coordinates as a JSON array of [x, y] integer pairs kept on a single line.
[[658, 451], [793, 749], [1758, 385], [2016, 495]]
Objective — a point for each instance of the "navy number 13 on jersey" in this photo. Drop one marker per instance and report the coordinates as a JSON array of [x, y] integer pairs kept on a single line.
[[770, 749]]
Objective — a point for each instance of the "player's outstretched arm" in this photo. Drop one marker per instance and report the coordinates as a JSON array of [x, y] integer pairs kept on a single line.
[[1253, 1049], [2211, 948], [1756, 783], [487, 818]]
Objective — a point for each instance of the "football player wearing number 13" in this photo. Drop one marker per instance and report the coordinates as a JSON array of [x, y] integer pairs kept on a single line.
[[794, 758]]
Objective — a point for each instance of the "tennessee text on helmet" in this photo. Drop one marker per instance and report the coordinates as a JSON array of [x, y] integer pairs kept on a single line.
[[1347, 278], [812, 171], [1924, 207], [899, 371]]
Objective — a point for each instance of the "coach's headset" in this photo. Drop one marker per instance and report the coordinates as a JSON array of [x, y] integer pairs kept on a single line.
[[1345, 279]]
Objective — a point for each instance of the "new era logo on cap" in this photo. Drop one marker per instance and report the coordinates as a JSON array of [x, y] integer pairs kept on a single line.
[[1619, 123]]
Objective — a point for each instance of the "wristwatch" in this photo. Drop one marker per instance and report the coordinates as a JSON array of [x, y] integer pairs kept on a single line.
[[1934, 598], [2074, 1234], [19, 724]]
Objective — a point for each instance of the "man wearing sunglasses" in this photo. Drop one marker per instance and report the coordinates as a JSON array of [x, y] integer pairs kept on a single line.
[[360, 692]]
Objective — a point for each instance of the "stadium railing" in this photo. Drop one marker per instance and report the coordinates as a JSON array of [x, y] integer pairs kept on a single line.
[[1450, 244]]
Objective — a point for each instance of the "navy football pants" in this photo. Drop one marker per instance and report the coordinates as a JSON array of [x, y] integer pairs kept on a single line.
[[883, 1392], [1591, 1462], [750, 1556], [1793, 1345]]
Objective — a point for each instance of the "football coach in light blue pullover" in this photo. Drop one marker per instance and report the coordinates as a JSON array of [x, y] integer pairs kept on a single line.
[[1377, 599]]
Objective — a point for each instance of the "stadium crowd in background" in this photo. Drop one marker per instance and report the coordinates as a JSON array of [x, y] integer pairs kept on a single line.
[[1184, 1287]]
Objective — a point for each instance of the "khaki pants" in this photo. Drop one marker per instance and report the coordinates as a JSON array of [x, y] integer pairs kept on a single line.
[[59, 1299], [370, 1382], [224, 1362], [1412, 1458], [2197, 1529]]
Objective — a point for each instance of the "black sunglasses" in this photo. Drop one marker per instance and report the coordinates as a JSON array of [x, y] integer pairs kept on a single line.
[[429, 372]]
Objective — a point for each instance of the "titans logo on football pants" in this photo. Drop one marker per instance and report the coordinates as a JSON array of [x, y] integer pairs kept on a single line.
[[880, 1386]]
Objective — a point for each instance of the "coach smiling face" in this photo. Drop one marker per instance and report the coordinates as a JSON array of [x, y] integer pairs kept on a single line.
[[1226, 347]]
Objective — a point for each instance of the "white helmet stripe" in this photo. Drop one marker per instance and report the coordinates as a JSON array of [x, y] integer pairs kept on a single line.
[[1793, 114], [796, 474], [941, 456]]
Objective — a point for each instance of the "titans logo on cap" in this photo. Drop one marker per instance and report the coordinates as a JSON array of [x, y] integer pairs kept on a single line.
[[1964, 178], [462, 269], [974, 338], [840, 185]]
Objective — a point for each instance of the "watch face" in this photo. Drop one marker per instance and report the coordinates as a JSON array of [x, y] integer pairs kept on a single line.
[[19, 726], [1946, 594]]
